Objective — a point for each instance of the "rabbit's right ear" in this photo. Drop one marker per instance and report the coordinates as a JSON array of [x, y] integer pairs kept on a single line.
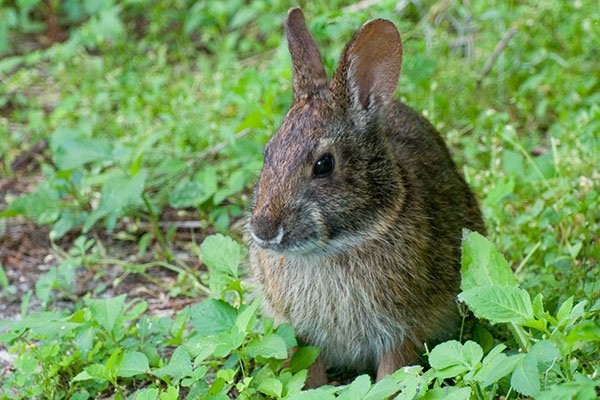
[[308, 72], [369, 68]]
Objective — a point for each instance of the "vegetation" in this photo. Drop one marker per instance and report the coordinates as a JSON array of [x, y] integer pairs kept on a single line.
[[162, 108]]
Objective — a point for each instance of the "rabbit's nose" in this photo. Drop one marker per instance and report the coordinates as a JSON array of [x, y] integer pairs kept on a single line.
[[266, 231]]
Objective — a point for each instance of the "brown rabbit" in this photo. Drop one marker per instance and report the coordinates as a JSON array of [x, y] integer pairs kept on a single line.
[[358, 213]]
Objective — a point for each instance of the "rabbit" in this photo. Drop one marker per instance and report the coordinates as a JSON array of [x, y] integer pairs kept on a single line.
[[357, 217]]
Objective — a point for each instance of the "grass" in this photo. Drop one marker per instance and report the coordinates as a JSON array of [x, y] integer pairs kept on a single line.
[[160, 109]]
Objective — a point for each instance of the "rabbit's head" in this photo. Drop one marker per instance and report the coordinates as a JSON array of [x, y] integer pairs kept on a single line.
[[329, 178]]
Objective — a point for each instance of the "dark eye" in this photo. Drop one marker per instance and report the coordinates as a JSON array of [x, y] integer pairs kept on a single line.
[[324, 166]]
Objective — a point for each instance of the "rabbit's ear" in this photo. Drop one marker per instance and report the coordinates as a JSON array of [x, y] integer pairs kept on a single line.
[[369, 68], [308, 73]]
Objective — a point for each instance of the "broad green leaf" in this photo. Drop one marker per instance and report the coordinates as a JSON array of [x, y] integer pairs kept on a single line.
[[227, 342], [358, 389], [322, 393], [73, 152], [472, 353], [580, 388], [271, 387], [287, 333], [410, 381], [179, 366], [185, 194], [270, 346], [448, 392], [459, 394], [450, 359], [83, 376], [133, 363], [304, 357], [383, 389], [44, 285], [117, 194], [499, 304], [545, 352], [96, 372], [43, 205], [295, 383], [496, 365], [212, 317], [565, 309], [245, 317], [525, 378], [583, 332], [106, 311], [482, 264], [221, 253], [146, 394]]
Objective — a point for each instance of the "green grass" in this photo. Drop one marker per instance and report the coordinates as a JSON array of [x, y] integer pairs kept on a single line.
[[152, 106]]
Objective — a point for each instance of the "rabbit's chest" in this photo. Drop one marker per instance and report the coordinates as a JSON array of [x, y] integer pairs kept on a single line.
[[333, 308]]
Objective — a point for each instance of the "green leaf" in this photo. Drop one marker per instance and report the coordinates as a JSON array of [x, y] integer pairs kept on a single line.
[[83, 376], [448, 393], [287, 333], [3, 278], [146, 394], [179, 366], [244, 318], [358, 389], [71, 152], [482, 264], [450, 359], [580, 388], [565, 309], [133, 363], [271, 387], [499, 304], [117, 194], [584, 332], [304, 357], [295, 383], [44, 285], [221, 253], [106, 311], [496, 365], [525, 379], [184, 195], [383, 389], [270, 346], [212, 317], [545, 352], [96, 372]]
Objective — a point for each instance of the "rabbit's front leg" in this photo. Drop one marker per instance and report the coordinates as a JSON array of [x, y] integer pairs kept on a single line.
[[395, 359], [317, 376]]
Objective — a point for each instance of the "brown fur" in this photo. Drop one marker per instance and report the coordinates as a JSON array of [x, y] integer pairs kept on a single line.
[[364, 263]]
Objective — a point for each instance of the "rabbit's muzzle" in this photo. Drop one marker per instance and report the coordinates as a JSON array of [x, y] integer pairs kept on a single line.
[[266, 232]]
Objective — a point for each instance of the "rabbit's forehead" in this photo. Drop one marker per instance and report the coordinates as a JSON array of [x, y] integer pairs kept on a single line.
[[305, 129]]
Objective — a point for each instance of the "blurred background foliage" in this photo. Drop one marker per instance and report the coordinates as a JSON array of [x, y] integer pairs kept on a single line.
[[148, 105]]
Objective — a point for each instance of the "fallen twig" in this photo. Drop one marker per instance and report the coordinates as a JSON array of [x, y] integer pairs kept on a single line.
[[24, 159], [497, 51]]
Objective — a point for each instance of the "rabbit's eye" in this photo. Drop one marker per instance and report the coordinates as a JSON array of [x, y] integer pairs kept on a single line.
[[324, 166]]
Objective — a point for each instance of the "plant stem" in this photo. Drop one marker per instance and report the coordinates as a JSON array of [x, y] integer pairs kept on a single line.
[[520, 335], [155, 223]]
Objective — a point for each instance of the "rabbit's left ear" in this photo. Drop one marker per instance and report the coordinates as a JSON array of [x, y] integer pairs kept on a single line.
[[308, 72], [369, 68]]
